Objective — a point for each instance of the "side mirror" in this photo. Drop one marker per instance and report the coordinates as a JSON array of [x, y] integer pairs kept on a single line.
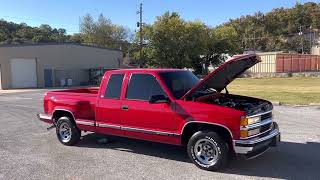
[[159, 99]]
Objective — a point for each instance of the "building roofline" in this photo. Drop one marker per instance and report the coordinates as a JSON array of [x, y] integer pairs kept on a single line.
[[49, 44], [270, 52], [148, 70]]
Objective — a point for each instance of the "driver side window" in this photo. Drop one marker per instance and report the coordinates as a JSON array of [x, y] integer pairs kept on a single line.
[[143, 86]]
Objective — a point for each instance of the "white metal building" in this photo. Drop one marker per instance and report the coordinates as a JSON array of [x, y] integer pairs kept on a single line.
[[49, 65]]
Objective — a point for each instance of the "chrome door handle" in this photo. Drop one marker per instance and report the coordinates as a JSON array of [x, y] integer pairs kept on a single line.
[[124, 107]]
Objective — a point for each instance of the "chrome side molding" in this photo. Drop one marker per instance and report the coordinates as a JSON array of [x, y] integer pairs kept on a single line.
[[87, 123]]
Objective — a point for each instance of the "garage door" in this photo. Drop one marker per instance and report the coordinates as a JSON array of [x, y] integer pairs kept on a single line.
[[23, 73]]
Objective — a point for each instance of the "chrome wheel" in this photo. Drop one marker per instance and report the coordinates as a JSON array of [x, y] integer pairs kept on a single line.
[[206, 152], [65, 132]]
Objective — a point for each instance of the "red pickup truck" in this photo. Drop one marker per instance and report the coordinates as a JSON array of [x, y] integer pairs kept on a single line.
[[170, 106]]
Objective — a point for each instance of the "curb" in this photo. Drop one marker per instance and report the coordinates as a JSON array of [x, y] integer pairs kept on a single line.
[[276, 103], [314, 104]]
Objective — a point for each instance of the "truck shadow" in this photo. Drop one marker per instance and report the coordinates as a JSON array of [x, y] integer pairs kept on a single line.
[[288, 161], [148, 148]]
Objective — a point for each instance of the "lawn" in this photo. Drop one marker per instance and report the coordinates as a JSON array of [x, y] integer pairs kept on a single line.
[[295, 90]]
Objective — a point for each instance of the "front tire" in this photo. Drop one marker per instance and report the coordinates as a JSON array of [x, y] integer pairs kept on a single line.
[[67, 132], [208, 150]]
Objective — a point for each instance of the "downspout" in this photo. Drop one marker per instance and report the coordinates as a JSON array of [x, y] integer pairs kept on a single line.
[[36, 59]]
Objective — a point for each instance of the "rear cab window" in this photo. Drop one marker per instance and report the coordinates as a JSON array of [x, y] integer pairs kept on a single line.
[[114, 86], [142, 87]]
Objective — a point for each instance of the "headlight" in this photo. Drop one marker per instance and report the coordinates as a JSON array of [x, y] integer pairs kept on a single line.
[[245, 121], [247, 133]]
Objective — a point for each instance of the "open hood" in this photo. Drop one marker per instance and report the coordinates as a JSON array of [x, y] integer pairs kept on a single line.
[[225, 74]]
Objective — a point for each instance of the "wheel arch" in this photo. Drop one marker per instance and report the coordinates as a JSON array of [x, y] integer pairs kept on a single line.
[[63, 112], [192, 127]]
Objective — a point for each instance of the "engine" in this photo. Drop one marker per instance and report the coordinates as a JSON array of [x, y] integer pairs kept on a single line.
[[248, 104]]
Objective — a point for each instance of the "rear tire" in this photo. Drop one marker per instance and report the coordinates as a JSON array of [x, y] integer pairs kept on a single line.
[[208, 150], [67, 132]]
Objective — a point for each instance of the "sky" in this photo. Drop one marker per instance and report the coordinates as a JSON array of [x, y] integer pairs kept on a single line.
[[67, 13]]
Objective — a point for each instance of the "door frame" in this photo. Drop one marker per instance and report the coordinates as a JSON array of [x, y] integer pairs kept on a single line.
[[0, 78], [52, 76]]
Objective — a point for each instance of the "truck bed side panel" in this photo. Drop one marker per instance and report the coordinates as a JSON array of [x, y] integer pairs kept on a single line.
[[81, 105]]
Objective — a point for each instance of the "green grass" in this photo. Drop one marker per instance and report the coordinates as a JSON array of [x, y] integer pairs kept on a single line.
[[295, 90]]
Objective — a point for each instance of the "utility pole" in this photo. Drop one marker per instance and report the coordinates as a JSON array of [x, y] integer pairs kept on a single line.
[[251, 40], [301, 39], [254, 41], [310, 33], [140, 25]]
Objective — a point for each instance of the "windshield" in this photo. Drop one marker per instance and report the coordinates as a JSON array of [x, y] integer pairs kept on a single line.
[[179, 82]]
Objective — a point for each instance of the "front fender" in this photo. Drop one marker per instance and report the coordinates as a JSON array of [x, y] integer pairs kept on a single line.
[[190, 112]]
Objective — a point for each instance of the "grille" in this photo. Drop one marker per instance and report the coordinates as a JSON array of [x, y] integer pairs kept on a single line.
[[265, 127], [266, 116]]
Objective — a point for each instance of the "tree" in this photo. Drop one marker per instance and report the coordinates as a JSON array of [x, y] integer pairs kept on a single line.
[[76, 38], [174, 42], [171, 42], [220, 42], [103, 32], [22, 33], [87, 28], [278, 29]]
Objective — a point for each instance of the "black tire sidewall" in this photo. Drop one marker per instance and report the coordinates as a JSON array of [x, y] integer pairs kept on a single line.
[[75, 132], [221, 147]]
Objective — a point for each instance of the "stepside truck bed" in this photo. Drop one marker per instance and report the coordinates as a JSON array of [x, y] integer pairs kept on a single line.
[[80, 102]]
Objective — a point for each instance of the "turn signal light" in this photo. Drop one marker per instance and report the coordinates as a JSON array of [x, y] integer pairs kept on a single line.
[[244, 121], [247, 121], [248, 133], [243, 133]]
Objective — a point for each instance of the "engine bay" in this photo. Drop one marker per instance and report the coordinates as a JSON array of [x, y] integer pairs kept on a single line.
[[248, 104]]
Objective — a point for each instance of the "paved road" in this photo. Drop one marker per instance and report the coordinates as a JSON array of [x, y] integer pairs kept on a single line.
[[28, 151]]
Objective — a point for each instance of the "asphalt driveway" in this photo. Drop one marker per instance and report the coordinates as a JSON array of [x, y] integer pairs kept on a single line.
[[29, 151]]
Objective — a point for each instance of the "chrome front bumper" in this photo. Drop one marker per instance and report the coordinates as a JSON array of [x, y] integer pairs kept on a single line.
[[45, 118], [251, 148]]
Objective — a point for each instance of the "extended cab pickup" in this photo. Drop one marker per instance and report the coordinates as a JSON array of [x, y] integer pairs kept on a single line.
[[170, 106]]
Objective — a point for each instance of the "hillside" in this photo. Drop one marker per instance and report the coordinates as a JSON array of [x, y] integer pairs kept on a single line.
[[279, 29], [272, 31]]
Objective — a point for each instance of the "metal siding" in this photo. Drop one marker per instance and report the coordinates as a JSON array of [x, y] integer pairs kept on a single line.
[[267, 64], [296, 63], [318, 63], [302, 63], [284, 63], [279, 64], [313, 63]]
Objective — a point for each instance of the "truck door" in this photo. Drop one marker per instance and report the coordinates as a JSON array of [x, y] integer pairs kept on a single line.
[[142, 119], [108, 112]]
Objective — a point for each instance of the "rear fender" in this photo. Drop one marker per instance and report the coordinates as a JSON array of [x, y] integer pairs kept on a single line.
[[57, 113]]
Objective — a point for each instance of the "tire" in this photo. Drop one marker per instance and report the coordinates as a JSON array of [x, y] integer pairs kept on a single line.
[[208, 150], [67, 132]]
